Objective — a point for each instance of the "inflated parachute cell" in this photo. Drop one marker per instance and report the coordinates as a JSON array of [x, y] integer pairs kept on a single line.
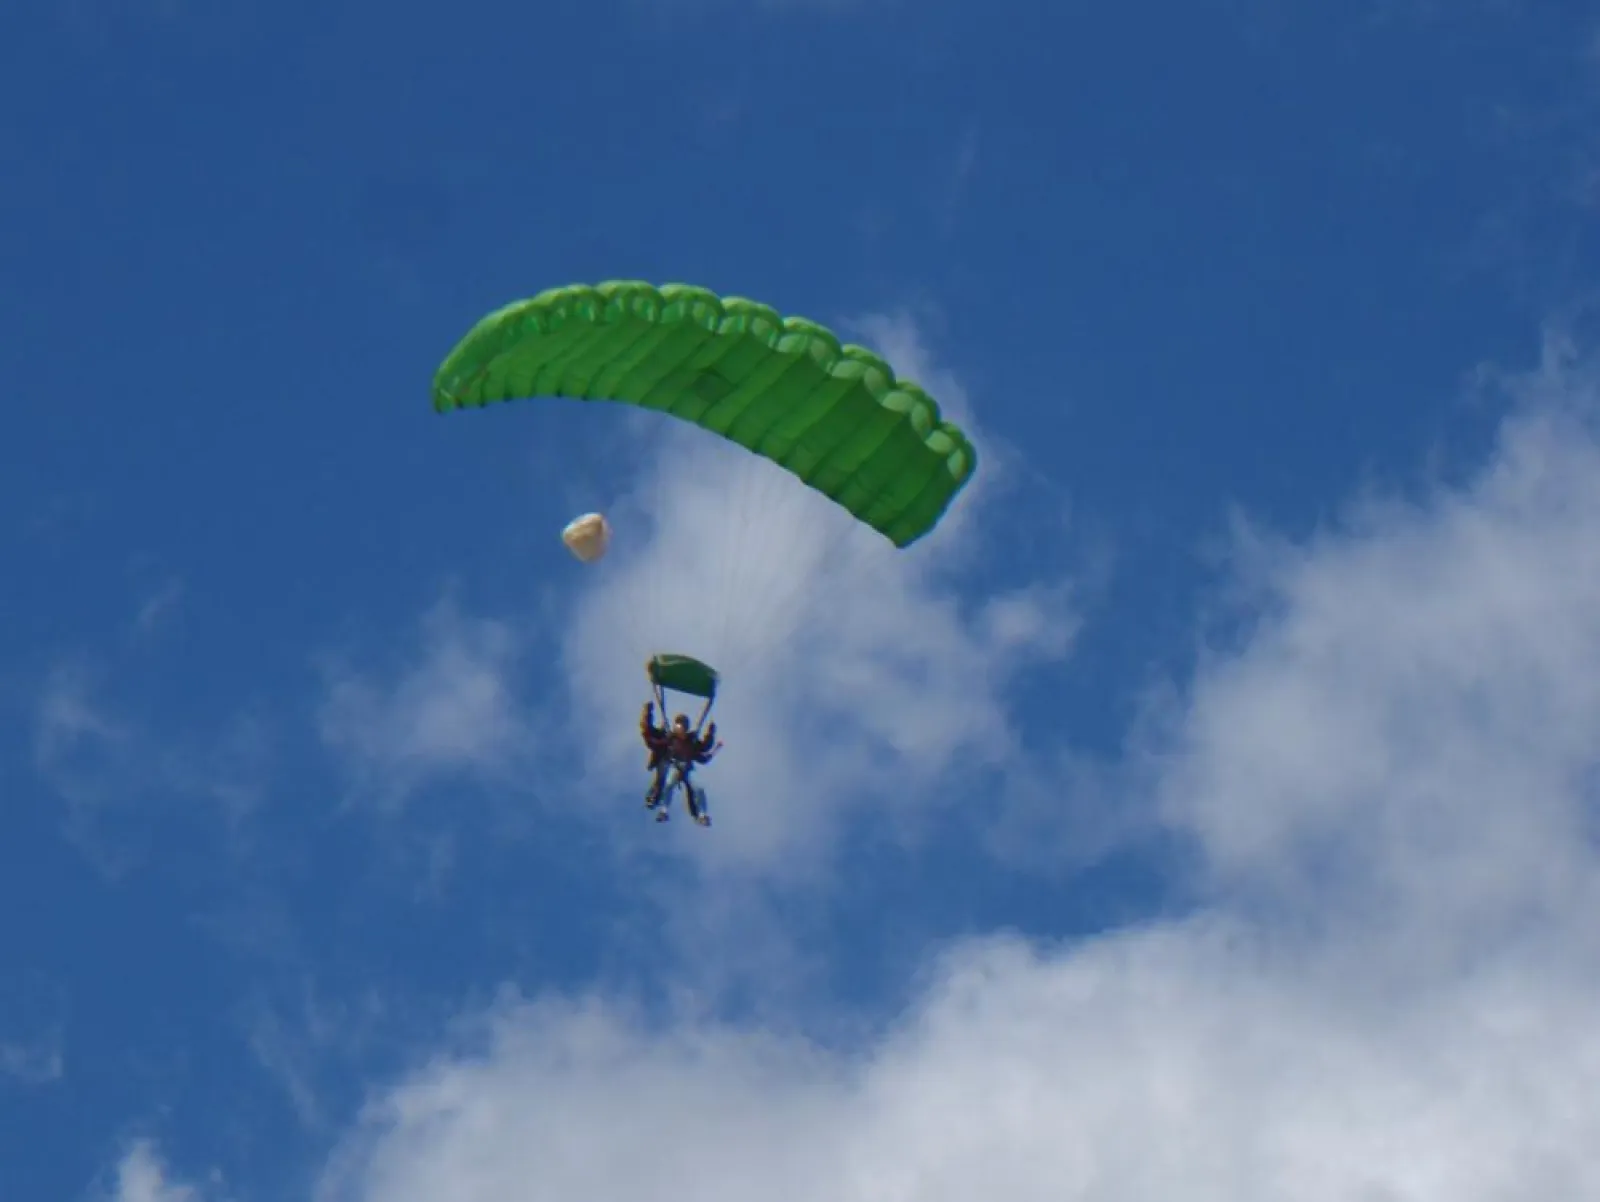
[[783, 387]]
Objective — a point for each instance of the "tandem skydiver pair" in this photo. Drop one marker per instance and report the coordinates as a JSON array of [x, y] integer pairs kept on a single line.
[[676, 749]]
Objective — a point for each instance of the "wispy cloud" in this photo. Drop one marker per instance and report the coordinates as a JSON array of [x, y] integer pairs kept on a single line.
[[963, 165], [100, 759], [449, 710], [1391, 785], [69, 717], [32, 1027], [158, 605], [31, 1063], [142, 1176], [306, 1043]]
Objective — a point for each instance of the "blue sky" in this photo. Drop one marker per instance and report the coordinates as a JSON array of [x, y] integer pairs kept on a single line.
[[1206, 811]]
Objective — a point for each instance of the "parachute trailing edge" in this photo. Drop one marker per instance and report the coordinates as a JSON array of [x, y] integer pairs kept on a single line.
[[787, 389]]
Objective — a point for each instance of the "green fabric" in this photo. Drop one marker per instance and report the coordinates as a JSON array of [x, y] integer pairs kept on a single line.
[[785, 388], [683, 674]]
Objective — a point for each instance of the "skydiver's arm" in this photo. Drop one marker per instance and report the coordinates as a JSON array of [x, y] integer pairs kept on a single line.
[[654, 737]]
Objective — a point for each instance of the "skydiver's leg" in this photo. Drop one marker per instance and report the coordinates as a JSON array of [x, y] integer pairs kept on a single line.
[[658, 787], [695, 800]]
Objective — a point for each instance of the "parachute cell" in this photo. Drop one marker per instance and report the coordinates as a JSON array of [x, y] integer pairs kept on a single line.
[[587, 537], [784, 388]]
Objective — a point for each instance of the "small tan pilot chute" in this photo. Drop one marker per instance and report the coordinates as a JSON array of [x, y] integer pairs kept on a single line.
[[587, 537]]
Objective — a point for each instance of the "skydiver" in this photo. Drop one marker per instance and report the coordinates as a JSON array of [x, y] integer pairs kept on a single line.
[[676, 748]]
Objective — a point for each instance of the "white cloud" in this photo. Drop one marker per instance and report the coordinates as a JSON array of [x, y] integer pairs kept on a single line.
[[1388, 998], [1173, 1064], [142, 1176], [1414, 730], [450, 711]]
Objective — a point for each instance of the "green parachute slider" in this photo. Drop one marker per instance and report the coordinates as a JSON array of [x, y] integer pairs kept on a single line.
[[784, 388], [683, 674]]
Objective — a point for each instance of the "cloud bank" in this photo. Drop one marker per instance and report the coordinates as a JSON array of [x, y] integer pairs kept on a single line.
[[1389, 786]]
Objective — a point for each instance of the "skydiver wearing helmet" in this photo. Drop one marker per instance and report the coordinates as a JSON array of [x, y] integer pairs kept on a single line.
[[678, 748]]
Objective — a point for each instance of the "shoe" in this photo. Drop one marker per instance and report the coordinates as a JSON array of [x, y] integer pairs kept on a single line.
[[662, 816]]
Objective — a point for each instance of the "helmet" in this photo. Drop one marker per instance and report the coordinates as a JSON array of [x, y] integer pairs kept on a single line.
[[681, 722]]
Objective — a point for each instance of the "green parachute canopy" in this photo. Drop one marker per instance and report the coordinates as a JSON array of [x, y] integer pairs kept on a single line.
[[782, 387], [683, 674]]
